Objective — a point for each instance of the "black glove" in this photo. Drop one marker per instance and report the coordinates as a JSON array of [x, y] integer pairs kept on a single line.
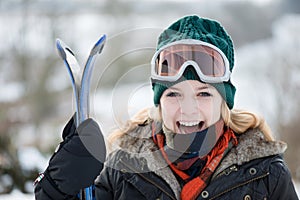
[[76, 163]]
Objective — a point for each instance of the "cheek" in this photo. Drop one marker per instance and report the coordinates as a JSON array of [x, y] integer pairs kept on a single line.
[[168, 111], [211, 111], [216, 113], [216, 110]]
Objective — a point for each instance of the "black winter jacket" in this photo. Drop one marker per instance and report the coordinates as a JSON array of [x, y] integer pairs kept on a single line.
[[252, 170]]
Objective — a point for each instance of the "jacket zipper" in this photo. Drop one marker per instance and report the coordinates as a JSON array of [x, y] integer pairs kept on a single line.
[[150, 181], [239, 185], [228, 171]]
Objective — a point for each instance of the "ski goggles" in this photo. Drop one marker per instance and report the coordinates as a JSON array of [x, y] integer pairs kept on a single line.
[[170, 61]]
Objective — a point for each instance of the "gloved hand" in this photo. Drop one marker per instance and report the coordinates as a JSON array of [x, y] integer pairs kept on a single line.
[[76, 163]]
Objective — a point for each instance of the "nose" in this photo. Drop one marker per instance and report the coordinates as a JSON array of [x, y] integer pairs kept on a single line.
[[189, 107]]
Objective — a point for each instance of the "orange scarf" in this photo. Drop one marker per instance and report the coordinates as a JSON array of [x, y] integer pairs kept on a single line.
[[194, 187]]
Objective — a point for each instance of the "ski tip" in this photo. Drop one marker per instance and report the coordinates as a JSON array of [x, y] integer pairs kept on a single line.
[[101, 40], [60, 49], [58, 43], [98, 47]]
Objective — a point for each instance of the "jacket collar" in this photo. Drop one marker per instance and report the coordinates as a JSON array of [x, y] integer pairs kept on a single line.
[[252, 145]]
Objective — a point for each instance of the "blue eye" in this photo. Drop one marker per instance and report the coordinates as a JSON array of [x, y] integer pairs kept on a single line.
[[204, 94], [173, 94]]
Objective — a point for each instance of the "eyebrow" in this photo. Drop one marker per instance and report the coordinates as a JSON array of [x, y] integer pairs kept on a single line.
[[198, 88], [173, 88], [203, 87], [208, 87]]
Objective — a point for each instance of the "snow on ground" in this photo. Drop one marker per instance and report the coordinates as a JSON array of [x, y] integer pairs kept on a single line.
[[17, 195]]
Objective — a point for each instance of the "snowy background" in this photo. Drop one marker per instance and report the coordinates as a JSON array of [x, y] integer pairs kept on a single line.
[[36, 97]]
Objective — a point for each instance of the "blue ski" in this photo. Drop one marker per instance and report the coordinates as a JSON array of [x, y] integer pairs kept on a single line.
[[81, 79], [74, 71], [86, 79]]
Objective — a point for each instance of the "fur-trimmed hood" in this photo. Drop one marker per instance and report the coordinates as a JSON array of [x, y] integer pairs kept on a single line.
[[251, 145]]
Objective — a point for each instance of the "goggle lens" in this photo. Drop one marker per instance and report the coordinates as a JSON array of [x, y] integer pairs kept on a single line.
[[171, 59]]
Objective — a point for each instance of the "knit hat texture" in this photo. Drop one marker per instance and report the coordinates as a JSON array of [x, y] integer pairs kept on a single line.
[[206, 30]]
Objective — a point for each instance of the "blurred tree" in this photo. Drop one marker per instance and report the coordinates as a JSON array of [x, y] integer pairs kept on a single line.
[[285, 69], [273, 68], [243, 23], [292, 137], [12, 175], [31, 70], [290, 6]]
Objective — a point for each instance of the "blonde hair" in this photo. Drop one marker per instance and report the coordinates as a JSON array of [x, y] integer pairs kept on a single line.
[[238, 120], [139, 118], [241, 120]]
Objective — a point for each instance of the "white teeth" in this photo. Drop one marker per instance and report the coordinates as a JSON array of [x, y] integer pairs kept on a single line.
[[189, 123]]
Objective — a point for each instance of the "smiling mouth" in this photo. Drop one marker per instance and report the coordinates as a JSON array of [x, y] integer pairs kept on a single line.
[[185, 127]]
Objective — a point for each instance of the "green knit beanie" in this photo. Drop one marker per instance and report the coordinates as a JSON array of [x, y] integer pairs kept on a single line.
[[206, 30]]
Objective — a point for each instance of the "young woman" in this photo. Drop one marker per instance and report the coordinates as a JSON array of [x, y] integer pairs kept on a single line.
[[191, 145]]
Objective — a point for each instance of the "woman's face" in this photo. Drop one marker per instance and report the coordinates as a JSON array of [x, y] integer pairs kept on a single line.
[[190, 106]]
